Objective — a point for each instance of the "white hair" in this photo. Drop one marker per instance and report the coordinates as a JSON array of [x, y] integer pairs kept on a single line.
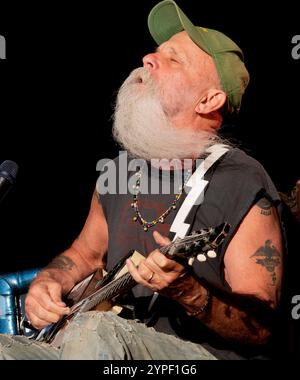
[[143, 129]]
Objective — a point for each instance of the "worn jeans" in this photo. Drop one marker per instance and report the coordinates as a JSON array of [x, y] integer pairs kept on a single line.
[[105, 336]]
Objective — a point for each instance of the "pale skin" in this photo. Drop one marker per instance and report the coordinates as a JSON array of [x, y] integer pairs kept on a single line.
[[253, 259]]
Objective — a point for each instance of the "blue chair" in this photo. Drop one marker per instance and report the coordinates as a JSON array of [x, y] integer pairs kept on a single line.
[[13, 288]]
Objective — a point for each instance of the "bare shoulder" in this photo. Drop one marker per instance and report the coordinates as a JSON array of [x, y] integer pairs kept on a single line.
[[253, 259]]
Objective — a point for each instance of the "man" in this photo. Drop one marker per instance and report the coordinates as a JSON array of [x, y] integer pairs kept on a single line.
[[172, 108]]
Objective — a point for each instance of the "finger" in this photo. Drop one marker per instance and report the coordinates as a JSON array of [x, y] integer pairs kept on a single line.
[[42, 297], [160, 239], [53, 307], [162, 264], [138, 274], [133, 271], [36, 312], [55, 294], [147, 277], [146, 271], [166, 271], [37, 322]]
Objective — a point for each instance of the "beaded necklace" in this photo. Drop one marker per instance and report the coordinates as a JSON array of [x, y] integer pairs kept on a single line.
[[161, 219]]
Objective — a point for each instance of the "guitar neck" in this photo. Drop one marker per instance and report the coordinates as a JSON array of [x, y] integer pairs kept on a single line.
[[108, 292]]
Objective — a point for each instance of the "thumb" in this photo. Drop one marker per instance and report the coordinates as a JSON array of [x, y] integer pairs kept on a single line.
[[160, 239]]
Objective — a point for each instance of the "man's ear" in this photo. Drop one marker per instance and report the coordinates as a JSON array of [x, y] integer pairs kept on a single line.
[[212, 101]]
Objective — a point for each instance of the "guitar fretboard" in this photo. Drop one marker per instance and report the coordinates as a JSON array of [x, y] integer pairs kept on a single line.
[[108, 292]]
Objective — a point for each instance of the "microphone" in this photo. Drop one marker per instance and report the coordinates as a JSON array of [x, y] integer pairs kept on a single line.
[[8, 173]]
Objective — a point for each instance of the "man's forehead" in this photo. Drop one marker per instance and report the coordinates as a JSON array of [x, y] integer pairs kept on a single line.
[[182, 42], [179, 38]]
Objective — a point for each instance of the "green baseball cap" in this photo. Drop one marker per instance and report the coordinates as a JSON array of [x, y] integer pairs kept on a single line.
[[167, 19]]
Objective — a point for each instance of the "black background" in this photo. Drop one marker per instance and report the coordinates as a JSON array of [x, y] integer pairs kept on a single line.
[[65, 62]]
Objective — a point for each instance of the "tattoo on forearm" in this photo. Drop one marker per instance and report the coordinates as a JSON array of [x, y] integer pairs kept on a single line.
[[269, 257], [61, 262], [265, 206]]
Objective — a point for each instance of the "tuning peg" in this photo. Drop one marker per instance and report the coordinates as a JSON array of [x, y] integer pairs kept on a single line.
[[211, 254], [191, 261], [201, 257]]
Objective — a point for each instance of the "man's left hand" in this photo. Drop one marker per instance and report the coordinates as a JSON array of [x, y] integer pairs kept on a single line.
[[156, 272]]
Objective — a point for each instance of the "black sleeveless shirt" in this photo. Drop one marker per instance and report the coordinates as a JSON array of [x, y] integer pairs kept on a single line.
[[236, 182]]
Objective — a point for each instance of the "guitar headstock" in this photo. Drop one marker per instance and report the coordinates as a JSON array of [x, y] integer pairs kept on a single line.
[[200, 245]]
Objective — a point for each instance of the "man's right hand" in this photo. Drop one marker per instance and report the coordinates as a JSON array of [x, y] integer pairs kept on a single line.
[[43, 304]]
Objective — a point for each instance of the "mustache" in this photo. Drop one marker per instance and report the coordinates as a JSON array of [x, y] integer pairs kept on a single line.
[[140, 76]]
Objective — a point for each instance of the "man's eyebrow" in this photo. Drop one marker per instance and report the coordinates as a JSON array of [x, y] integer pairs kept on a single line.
[[172, 50]]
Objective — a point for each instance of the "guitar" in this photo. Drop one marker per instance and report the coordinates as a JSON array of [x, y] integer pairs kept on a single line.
[[94, 293]]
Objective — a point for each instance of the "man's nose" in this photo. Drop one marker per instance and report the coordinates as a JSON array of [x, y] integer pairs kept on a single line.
[[151, 62]]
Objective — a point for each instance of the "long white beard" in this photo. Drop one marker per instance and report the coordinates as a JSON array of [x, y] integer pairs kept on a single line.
[[142, 128]]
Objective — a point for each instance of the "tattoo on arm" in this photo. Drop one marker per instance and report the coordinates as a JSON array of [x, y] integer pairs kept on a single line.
[[61, 262], [269, 257], [265, 206]]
